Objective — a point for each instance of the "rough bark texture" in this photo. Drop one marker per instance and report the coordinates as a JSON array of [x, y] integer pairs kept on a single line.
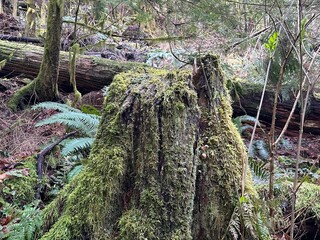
[[45, 85], [166, 163], [92, 73], [247, 102]]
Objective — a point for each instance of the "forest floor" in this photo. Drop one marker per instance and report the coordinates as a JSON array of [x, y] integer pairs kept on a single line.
[[20, 138]]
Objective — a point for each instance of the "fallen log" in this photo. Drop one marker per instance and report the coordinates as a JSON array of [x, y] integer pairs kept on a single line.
[[92, 73], [20, 39], [248, 101]]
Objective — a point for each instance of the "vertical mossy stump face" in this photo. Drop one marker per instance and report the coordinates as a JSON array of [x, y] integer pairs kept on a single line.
[[166, 163]]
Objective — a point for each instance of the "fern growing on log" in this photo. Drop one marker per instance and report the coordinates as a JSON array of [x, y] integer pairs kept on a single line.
[[86, 124]]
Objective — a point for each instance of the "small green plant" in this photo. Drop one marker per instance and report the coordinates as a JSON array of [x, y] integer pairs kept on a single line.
[[272, 43], [246, 218], [28, 223], [86, 124]]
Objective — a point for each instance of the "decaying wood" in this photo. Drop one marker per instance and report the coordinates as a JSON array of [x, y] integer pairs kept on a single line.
[[249, 101], [92, 73], [166, 163], [20, 39]]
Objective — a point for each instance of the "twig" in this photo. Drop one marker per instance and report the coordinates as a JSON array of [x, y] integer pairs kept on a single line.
[[40, 160]]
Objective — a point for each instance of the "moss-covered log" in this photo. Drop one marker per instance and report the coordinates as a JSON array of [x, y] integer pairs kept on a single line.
[[166, 163], [92, 73]]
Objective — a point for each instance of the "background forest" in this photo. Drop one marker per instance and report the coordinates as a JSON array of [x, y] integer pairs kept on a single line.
[[50, 113]]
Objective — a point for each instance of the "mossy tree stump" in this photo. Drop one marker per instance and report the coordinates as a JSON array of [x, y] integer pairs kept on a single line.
[[166, 163]]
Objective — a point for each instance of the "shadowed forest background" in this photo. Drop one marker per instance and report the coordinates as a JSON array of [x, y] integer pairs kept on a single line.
[[159, 119]]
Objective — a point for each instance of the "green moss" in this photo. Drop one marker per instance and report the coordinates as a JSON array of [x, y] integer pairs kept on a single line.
[[144, 179], [308, 198], [20, 190], [16, 99]]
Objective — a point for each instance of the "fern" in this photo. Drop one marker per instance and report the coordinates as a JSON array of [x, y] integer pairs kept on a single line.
[[74, 172], [71, 146], [57, 106], [73, 118], [247, 216], [85, 123], [30, 223], [258, 168]]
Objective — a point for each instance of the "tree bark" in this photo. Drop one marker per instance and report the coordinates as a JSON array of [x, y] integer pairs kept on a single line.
[[247, 101], [45, 86], [92, 73], [166, 164]]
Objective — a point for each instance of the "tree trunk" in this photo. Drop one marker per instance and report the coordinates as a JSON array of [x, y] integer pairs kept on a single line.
[[1, 6], [45, 86], [30, 29], [92, 73], [166, 164], [15, 8]]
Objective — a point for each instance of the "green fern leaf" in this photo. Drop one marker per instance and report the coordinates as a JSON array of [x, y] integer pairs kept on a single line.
[[30, 223], [85, 123], [258, 168], [71, 146], [53, 105], [74, 172]]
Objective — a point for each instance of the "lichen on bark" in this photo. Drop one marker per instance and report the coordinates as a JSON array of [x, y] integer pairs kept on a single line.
[[147, 177]]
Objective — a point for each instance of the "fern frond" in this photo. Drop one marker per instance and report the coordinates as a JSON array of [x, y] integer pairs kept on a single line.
[[30, 223], [86, 123], [54, 105], [244, 128], [234, 224], [71, 146], [74, 172], [258, 168]]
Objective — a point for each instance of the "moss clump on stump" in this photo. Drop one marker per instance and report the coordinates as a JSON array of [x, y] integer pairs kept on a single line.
[[166, 163]]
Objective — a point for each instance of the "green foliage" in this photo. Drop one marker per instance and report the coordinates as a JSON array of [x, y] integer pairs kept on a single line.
[[247, 215], [89, 109], [303, 29], [2, 63], [72, 146], [65, 170], [74, 172], [29, 224], [20, 189], [86, 123], [73, 118], [261, 150], [272, 43], [258, 168]]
